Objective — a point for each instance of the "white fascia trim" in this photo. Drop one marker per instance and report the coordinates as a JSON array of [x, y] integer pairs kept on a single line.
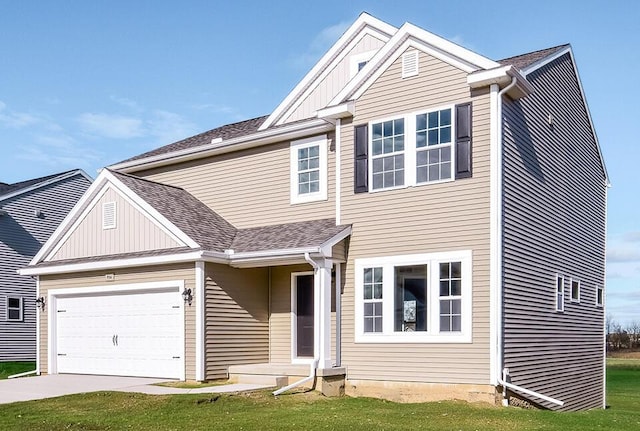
[[383, 30], [343, 110], [276, 253], [328, 245], [503, 77], [116, 263], [200, 320], [47, 182], [495, 309], [293, 131], [555, 56], [77, 208], [420, 39]]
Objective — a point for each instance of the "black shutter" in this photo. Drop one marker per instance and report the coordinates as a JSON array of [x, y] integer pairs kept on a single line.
[[463, 141], [361, 168]]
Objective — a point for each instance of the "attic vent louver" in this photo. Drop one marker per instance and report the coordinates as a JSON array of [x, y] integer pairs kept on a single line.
[[109, 215], [410, 63]]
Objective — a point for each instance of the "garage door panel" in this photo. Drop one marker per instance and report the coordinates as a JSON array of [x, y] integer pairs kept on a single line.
[[128, 333]]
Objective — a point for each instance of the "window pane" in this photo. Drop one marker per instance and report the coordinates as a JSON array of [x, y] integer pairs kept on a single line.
[[13, 302], [377, 131], [434, 157], [434, 174], [368, 275], [456, 269], [445, 154], [421, 122], [314, 176], [456, 288], [377, 181], [398, 127], [421, 139], [377, 275], [399, 143], [313, 163], [445, 171], [433, 119], [456, 306], [378, 165], [421, 158], [444, 271], [13, 314], [388, 163], [314, 187], [444, 288], [456, 323], [399, 162], [303, 153], [388, 179], [368, 324], [303, 188], [421, 174], [445, 117], [377, 147], [368, 293], [314, 151], [433, 137], [377, 291], [445, 324], [387, 128], [445, 307], [445, 135], [303, 178], [388, 146]]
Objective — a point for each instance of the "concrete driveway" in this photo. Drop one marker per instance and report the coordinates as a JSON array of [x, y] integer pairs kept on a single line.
[[56, 385]]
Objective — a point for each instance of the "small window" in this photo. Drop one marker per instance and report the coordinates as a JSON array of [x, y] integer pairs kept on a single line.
[[559, 293], [575, 291], [309, 169], [14, 309], [450, 297], [372, 300], [109, 215], [599, 296]]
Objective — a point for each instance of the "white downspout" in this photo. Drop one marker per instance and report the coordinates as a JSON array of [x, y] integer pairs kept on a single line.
[[338, 167], [316, 341], [338, 281], [498, 220]]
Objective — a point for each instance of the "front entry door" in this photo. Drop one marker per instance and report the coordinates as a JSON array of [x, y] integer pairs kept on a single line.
[[304, 315]]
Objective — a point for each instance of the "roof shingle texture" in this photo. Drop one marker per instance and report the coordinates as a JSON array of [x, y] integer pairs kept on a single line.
[[525, 60], [5, 188]]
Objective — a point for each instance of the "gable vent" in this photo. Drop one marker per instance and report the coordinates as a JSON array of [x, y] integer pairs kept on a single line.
[[410, 63], [109, 215]]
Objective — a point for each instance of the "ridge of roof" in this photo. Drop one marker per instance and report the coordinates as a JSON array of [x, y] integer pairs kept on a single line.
[[6, 188], [523, 61], [225, 132]]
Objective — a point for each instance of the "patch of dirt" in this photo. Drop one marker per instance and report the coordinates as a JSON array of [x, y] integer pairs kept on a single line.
[[624, 354]]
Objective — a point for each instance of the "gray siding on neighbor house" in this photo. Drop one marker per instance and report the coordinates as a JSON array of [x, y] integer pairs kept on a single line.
[[22, 233], [554, 223]]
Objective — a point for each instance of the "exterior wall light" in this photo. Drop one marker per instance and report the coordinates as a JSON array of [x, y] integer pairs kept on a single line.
[[40, 303], [186, 295]]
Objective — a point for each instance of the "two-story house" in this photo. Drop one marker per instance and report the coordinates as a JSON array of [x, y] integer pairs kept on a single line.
[[30, 211], [414, 221]]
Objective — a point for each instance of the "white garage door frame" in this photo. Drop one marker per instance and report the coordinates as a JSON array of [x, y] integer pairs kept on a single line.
[[176, 286]]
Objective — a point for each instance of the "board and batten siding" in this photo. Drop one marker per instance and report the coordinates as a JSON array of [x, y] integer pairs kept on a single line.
[[236, 318], [22, 233], [554, 223], [248, 188], [427, 218], [335, 81], [133, 232], [128, 276]]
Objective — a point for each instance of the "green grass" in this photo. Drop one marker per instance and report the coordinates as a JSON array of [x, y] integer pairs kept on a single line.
[[193, 385], [310, 411], [10, 368]]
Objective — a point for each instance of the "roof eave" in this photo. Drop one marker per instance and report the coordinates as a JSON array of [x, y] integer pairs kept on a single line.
[[502, 76]]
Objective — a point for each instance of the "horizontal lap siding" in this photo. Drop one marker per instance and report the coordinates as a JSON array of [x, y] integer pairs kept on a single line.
[[133, 232], [237, 321], [422, 219], [334, 81], [554, 222], [21, 236], [248, 188], [173, 272]]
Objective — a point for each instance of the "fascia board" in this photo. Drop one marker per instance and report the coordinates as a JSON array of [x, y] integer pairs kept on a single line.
[[503, 77], [46, 183], [327, 245], [544, 61], [294, 131], [343, 110], [363, 21]]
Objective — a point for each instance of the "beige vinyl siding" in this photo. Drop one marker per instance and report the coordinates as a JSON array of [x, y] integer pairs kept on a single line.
[[237, 318], [335, 81], [172, 272], [427, 218], [554, 222], [248, 188], [133, 232]]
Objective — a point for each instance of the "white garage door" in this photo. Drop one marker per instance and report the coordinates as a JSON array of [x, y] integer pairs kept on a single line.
[[122, 334]]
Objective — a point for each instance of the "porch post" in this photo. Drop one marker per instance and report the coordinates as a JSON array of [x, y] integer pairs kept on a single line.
[[323, 312]]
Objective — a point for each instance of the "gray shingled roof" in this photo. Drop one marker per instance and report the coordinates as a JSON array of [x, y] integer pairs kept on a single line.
[[525, 60], [147, 253], [190, 215], [228, 131], [286, 236], [6, 189]]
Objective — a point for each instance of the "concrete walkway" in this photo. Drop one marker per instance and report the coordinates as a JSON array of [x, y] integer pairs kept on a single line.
[[56, 385]]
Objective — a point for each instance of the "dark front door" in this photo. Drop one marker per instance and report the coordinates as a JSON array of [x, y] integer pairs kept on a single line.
[[304, 315]]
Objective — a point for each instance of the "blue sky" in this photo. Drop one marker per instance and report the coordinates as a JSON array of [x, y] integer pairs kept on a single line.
[[86, 84]]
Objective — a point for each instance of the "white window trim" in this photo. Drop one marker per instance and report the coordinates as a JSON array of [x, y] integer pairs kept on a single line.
[[356, 59], [105, 224], [388, 264], [571, 298], [410, 149], [321, 194], [559, 305], [21, 308]]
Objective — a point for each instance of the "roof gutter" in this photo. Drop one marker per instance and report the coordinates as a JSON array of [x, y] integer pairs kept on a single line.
[[217, 146], [504, 76]]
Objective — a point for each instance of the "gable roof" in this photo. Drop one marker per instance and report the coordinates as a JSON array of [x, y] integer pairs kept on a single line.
[[10, 190], [524, 61]]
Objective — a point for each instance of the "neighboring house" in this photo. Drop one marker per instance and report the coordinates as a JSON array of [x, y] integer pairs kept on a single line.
[[410, 222], [29, 213]]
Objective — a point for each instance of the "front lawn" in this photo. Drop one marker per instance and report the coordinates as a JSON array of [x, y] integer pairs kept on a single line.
[[10, 368], [309, 411]]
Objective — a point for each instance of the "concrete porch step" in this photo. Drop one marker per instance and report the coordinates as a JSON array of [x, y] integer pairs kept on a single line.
[[277, 375]]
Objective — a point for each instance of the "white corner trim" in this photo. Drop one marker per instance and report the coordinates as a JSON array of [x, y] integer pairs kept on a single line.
[[38, 334], [338, 168], [364, 22], [200, 320], [321, 194]]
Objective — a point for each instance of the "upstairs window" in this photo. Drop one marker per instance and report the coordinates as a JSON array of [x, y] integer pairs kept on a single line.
[[433, 145], [599, 296], [575, 291], [14, 309], [387, 155], [308, 160], [559, 293]]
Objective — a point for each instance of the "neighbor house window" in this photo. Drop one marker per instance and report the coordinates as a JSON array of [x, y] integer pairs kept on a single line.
[[387, 154], [414, 298], [575, 291], [14, 309], [309, 169], [559, 293], [599, 296]]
